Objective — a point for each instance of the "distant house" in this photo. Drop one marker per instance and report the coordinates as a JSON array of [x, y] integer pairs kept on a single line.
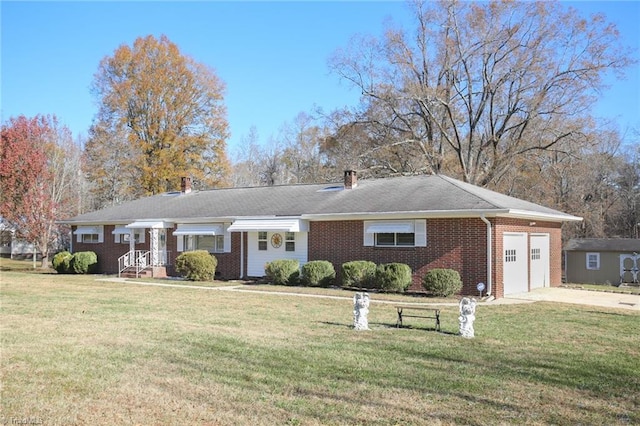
[[602, 260], [11, 246], [428, 221]]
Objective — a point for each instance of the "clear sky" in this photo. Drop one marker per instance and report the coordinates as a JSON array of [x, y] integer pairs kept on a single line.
[[271, 55]]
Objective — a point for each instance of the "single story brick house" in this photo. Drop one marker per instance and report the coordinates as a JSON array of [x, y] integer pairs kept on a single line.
[[425, 221], [602, 260]]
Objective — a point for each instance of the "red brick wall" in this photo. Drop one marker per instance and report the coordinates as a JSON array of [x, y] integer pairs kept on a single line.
[[458, 244], [109, 252]]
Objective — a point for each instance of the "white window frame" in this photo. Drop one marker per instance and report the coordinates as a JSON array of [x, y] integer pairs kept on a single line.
[[417, 227], [90, 238], [290, 241], [191, 243], [596, 258], [138, 235], [96, 234], [263, 240]]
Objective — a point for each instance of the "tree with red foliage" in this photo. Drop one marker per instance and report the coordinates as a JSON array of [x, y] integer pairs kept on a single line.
[[29, 198]]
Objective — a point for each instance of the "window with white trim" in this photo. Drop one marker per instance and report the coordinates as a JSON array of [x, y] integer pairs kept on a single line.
[[210, 243], [91, 238], [593, 261], [138, 235], [395, 233], [262, 240], [290, 241], [395, 239], [90, 234]]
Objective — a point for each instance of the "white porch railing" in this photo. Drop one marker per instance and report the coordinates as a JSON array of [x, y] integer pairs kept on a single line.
[[135, 260], [139, 260]]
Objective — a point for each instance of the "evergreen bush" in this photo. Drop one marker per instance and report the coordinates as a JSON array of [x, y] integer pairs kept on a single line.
[[283, 271], [318, 273], [83, 262], [358, 273], [393, 277], [442, 282], [197, 265], [61, 262]]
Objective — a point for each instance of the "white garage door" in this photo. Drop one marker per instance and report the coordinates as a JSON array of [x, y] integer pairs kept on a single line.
[[539, 258], [516, 275]]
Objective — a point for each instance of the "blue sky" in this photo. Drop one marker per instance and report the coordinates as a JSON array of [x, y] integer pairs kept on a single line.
[[271, 55]]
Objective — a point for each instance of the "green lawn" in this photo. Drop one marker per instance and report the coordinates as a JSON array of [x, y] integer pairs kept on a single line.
[[80, 351]]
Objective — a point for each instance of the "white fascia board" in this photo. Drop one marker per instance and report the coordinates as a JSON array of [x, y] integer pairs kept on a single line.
[[429, 214], [531, 215], [149, 224]]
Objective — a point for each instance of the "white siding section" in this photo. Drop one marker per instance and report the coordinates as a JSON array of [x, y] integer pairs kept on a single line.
[[258, 258]]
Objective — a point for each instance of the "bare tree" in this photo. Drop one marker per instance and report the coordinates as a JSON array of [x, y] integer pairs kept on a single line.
[[477, 85]]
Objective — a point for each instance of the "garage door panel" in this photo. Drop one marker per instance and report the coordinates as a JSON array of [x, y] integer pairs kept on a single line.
[[515, 257], [539, 261]]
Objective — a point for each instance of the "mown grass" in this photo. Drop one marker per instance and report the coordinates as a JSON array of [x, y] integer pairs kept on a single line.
[[79, 351]]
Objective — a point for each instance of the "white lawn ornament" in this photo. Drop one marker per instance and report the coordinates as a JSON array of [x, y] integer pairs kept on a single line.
[[467, 317], [360, 311]]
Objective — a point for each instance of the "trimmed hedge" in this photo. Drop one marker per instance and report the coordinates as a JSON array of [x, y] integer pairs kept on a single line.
[[61, 262], [393, 277], [442, 282], [283, 271], [358, 273], [83, 262], [318, 273], [197, 265]]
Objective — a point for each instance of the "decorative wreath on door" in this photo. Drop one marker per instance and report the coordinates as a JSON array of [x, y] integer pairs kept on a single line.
[[276, 240]]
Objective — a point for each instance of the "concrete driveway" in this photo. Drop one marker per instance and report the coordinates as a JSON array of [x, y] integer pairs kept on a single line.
[[580, 297]]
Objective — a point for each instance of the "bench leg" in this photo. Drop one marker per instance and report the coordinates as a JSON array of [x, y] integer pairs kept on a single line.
[[438, 320], [399, 322]]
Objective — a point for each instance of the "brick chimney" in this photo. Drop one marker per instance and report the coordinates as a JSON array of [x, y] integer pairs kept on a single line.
[[185, 185], [350, 179]]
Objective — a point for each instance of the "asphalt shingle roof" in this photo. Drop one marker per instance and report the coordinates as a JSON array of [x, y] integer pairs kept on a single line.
[[604, 244], [424, 193]]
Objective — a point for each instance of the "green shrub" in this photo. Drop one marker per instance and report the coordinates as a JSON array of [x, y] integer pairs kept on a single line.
[[283, 272], [358, 273], [83, 262], [318, 273], [442, 282], [61, 262], [197, 265], [393, 277]]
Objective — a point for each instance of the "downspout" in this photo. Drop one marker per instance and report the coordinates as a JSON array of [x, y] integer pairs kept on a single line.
[[489, 254]]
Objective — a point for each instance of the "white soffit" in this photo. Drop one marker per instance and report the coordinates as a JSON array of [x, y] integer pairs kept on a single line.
[[282, 225], [386, 227], [200, 229], [149, 224]]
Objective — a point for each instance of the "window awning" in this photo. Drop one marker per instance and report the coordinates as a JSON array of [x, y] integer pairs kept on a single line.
[[87, 230], [149, 224], [200, 229], [404, 227], [282, 225], [121, 230]]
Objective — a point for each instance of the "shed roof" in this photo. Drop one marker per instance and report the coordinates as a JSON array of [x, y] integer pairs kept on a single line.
[[604, 244], [423, 195]]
